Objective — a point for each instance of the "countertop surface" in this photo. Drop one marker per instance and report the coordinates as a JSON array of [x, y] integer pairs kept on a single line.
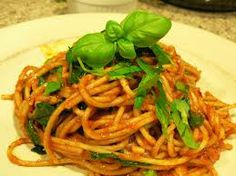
[[223, 24]]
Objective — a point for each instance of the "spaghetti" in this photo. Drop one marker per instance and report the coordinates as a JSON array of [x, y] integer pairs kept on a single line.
[[94, 125]]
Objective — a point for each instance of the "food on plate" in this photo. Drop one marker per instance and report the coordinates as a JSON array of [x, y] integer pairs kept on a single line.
[[119, 102]]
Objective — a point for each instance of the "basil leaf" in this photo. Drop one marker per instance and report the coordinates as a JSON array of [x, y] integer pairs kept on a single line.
[[121, 64], [145, 28], [162, 112], [150, 173], [147, 68], [52, 87], [195, 120], [94, 50], [147, 82], [182, 127], [100, 156], [179, 85], [113, 31], [59, 73], [42, 113], [126, 49], [69, 56], [41, 80], [33, 135], [76, 73], [127, 163], [96, 71], [162, 116], [183, 107], [161, 56], [39, 149], [123, 72]]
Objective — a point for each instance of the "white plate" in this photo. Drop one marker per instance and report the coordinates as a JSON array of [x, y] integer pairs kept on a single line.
[[213, 55]]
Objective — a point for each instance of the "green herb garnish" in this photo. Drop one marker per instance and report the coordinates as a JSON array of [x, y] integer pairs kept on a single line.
[[42, 113], [148, 81], [150, 173], [144, 29], [161, 56], [195, 119], [179, 114], [94, 50], [32, 132], [138, 29], [39, 149], [127, 163], [162, 110], [179, 85], [123, 72], [41, 80], [52, 87]]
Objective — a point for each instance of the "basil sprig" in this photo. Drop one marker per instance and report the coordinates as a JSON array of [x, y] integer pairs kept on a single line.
[[138, 29]]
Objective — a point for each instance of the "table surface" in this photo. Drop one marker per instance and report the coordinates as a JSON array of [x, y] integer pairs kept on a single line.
[[223, 24]]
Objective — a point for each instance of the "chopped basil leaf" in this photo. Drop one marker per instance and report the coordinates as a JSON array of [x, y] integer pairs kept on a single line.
[[148, 69], [52, 87], [183, 107], [100, 156], [39, 149], [150, 173], [127, 163], [59, 73], [41, 80], [162, 112], [179, 110], [195, 119], [123, 72], [42, 113], [147, 82], [69, 56], [96, 70], [161, 56], [76, 73], [33, 135], [179, 85]]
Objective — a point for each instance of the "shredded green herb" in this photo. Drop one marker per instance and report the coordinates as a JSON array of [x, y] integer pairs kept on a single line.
[[195, 119], [127, 163], [180, 111], [124, 72], [150, 173], [179, 85], [161, 56]]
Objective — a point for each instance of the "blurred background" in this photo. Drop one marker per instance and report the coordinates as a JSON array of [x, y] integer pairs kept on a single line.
[[217, 16]]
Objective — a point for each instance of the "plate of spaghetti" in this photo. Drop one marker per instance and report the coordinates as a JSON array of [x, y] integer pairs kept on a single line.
[[133, 95]]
